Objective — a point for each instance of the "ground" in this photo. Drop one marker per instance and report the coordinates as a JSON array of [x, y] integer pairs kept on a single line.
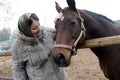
[[84, 66]]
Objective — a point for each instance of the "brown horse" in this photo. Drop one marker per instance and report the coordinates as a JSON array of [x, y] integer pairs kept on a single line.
[[74, 27]]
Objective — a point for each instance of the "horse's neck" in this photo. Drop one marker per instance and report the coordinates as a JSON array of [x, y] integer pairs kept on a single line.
[[96, 29], [91, 29]]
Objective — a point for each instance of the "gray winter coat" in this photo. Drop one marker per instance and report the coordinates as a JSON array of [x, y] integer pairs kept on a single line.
[[32, 58]]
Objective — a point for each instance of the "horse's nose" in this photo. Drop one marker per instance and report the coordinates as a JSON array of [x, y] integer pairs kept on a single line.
[[60, 59]]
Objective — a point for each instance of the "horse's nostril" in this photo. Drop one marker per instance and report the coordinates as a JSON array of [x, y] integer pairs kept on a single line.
[[60, 58]]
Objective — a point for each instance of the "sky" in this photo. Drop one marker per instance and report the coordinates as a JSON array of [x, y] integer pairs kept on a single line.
[[45, 9]]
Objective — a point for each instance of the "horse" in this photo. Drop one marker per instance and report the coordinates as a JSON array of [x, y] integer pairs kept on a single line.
[[74, 26]]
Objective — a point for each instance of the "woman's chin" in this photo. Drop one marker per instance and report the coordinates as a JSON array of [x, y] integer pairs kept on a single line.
[[36, 35]]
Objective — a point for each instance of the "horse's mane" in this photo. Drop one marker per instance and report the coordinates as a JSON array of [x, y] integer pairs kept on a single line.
[[102, 23], [99, 16]]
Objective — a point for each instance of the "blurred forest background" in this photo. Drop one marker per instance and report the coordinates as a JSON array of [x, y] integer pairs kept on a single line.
[[7, 33], [6, 17]]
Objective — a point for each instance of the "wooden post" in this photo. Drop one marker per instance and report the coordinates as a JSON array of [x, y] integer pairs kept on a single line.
[[101, 42], [8, 53]]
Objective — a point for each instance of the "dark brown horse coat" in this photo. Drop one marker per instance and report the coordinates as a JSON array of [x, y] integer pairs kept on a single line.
[[69, 28]]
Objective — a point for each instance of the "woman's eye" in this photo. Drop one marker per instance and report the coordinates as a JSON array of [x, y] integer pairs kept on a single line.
[[58, 19]]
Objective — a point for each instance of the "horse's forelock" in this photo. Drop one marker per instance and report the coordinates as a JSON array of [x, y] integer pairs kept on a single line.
[[65, 10]]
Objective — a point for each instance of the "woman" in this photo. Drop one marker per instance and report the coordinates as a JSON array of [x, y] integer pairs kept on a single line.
[[32, 59]]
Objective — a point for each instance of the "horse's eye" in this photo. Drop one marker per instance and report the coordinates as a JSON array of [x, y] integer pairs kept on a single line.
[[73, 36], [72, 23]]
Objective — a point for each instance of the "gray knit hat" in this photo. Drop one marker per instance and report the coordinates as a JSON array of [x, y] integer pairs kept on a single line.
[[25, 22]]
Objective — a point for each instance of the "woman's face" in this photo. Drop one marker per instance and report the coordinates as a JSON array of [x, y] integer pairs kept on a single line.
[[35, 28]]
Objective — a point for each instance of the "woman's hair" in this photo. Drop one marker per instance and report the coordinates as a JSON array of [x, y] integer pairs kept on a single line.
[[33, 17], [25, 22]]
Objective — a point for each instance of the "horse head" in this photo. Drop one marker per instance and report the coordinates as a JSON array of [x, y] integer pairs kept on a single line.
[[70, 32]]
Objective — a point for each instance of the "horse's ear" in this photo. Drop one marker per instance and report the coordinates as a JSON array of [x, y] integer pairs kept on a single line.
[[71, 4], [58, 8]]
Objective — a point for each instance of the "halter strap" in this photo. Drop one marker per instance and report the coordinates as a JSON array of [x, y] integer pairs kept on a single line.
[[82, 29], [73, 48], [63, 46]]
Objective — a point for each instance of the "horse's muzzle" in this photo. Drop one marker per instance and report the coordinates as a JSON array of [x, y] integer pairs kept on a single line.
[[61, 59]]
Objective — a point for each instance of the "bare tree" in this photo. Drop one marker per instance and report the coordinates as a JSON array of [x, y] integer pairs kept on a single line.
[[6, 14]]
